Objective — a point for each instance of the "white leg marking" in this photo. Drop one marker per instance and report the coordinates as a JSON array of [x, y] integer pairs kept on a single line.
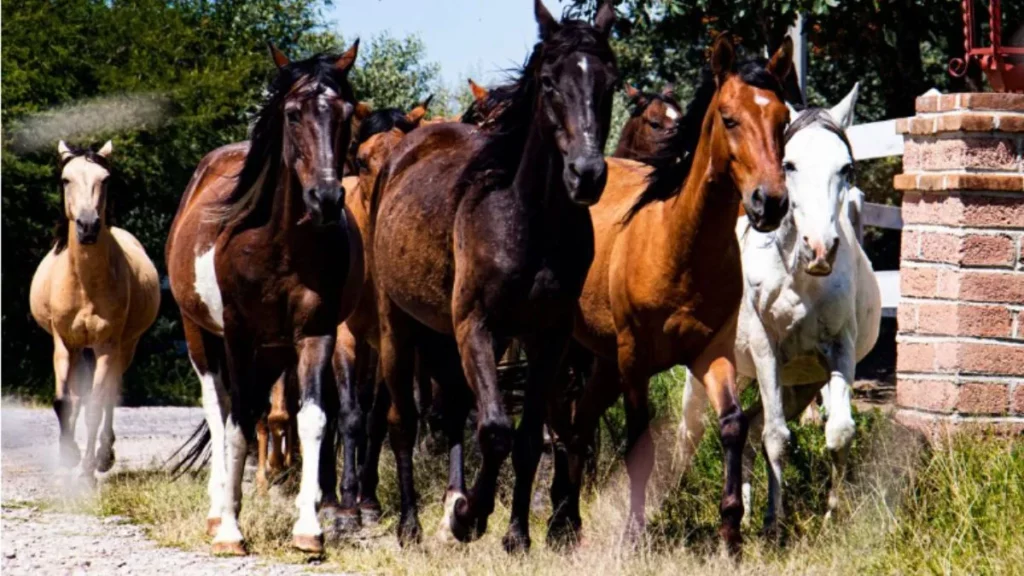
[[236, 449], [840, 428], [311, 421], [451, 498], [207, 288], [214, 410]]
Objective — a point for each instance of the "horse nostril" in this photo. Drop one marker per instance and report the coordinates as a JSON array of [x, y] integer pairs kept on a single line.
[[574, 169], [757, 199], [784, 205], [807, 241]]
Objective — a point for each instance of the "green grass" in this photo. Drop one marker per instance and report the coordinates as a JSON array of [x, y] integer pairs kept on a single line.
[[907, 509]]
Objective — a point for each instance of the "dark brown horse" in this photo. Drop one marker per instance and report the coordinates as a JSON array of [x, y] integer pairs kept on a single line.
[[653, 117], [666, 281], [482, 236], [263, 268]]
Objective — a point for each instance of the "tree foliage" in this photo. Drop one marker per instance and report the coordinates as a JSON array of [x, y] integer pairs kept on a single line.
[[205, 65]]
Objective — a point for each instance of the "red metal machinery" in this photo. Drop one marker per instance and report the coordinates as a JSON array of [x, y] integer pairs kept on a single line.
[[1003, 65]]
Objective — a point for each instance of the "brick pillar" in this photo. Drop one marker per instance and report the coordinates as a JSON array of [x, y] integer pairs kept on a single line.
[[960, 351]]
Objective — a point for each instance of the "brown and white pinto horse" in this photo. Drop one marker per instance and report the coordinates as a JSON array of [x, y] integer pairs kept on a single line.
[[666, 281], [652, 119], [262, 265], [481, 236]]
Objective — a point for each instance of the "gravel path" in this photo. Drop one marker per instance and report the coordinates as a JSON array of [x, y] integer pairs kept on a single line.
[[43, 542]]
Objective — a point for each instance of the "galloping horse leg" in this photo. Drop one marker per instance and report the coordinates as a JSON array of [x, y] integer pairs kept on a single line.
[[477, 347], [839, 429], [715, 366], [545, 356], [599, 393], [397, 359], [106, 381], [206, 352], [775, 434], [315, 393], [105, 454], [352, 423], [66, 400]]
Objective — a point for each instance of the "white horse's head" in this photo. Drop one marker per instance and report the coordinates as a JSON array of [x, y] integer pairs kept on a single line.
[[819, 167], [84, 176]]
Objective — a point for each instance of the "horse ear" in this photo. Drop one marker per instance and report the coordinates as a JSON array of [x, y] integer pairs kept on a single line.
[[605, 18], [545, 21], [842, 113], [107, 149], [346, 60], [416, 115], [479, 92], [64, 151], [631, 92], [362, 110], [782, 61], [723, 57], [279, 57]]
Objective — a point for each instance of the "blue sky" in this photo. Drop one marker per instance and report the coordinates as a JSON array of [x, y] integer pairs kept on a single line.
[[468, 38]]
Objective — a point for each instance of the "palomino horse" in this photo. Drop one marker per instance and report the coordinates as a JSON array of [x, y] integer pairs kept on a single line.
[[95, 292], [811, 307], [666, 281], [653, 117], [484, 236], [263, 268]]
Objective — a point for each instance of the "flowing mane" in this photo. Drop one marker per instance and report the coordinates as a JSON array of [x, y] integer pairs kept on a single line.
[[61, 228], [495, 164], [250, 199], [674, 158]]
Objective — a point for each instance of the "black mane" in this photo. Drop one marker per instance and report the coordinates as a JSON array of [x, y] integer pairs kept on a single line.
[[673, 159], [250, 199], [63, 225], [495, 163]]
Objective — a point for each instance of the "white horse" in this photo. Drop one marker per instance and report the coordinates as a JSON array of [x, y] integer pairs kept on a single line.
[[811, 307]]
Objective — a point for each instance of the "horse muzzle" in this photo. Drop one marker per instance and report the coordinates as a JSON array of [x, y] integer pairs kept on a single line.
[[764, 210], [88, 230], [822, 259], [585, 178]]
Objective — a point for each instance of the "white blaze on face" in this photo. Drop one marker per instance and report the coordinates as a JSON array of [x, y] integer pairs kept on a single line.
[[583, 64], [761, 100], [671, 113], [207, 289]]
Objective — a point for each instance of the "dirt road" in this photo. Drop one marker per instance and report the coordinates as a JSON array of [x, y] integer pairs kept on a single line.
[[38, 542]]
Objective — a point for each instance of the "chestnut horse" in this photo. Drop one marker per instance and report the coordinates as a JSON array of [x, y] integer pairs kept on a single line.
[[96, 292], [482, 236], [666, 281], [652, 118], [263, 267]]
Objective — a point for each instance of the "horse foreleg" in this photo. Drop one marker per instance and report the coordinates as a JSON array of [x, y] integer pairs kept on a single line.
[[377, 407], [775, 434], [639, 449], [715, 366], [106, 380], [840, 428], [691, 428], [262, 437], [353, 425], [477, 347], [66, 399], [313, 371], [545, 356]]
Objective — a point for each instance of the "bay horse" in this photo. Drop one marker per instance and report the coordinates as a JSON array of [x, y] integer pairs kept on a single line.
[[811, 305], [263, 267], [666, 282], [653, 117], [96, 292], [480, 236]]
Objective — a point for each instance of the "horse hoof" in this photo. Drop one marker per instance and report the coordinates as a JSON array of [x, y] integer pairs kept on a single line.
[[69, 455], [105, 461], [347, 520], [732, 539], [563, 533], [461, 524], [369, 513], [308, 544], [515, 542], [212, 524], [409, 533], [236, 548]]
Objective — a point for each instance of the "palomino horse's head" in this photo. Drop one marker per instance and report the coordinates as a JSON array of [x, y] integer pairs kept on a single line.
[[84, 175], [819, 166], [653, 116], [578, 76], [750, 116]]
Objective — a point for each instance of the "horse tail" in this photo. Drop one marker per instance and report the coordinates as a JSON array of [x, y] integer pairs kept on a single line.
[[192, 455]]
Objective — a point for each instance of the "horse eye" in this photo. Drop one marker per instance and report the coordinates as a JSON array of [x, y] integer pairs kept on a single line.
[[788, 166], [655, 124], [547, 83], [65, 181], [729, 122], [846, 170]]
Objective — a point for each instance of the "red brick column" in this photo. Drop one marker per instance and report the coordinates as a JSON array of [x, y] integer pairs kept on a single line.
[[960, 352]]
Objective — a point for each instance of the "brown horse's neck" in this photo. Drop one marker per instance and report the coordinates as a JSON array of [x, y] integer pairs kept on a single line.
[[91, 263], [702, 217]]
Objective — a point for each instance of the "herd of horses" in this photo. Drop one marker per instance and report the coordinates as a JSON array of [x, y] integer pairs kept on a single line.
[[344, 263]]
